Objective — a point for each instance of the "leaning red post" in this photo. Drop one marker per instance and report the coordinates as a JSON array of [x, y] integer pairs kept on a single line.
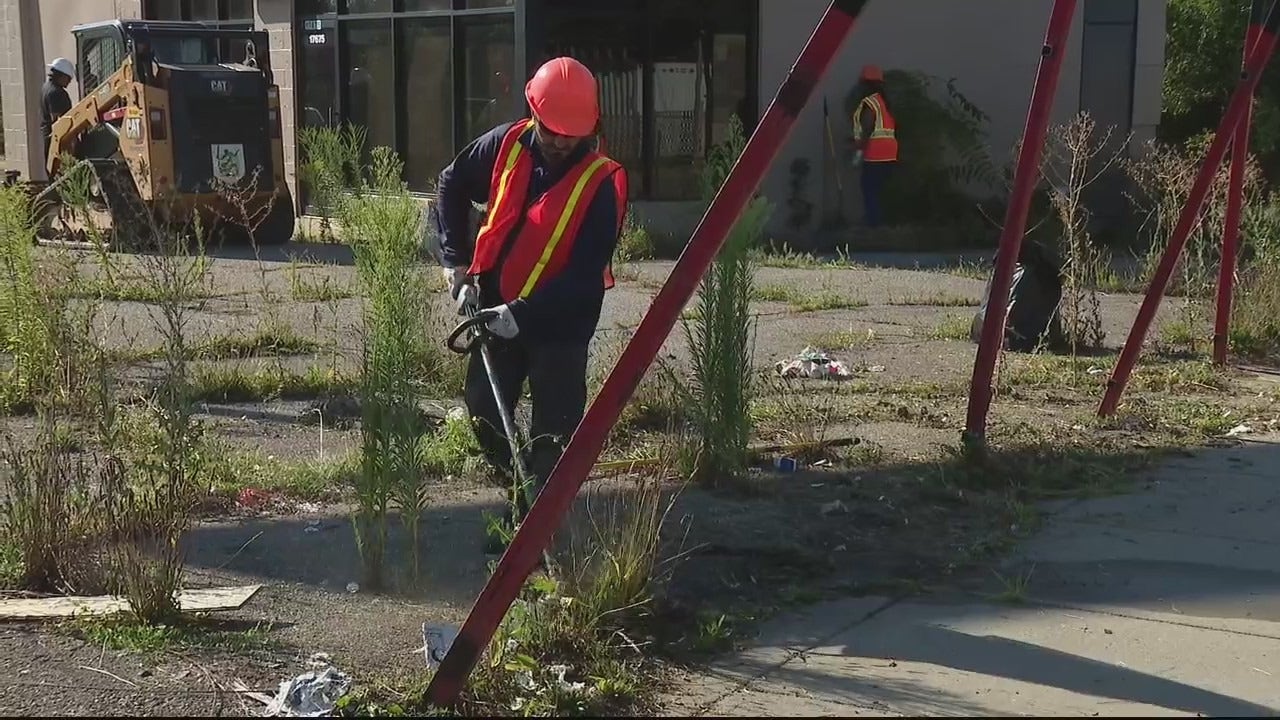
[[1190, 218], [1015, 222], [1235, 201]]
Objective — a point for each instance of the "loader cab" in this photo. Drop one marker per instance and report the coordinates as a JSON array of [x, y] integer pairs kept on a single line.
[[103, 46], [100, 51]]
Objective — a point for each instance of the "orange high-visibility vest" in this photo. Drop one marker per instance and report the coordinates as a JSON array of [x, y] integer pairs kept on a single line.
[[882, 146], [550, 226]]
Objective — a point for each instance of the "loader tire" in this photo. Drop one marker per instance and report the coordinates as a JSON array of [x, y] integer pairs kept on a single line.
[[278, 226]]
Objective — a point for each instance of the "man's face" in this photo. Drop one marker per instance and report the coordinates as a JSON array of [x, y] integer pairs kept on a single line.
[[61, 80], [555, 148]]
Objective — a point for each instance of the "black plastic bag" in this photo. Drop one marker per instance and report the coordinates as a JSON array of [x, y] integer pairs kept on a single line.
[[1035, 295]]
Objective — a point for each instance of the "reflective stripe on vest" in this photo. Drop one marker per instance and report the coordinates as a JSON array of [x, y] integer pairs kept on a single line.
[[504, 183], [569, 208], [882, 144], [532, 231]]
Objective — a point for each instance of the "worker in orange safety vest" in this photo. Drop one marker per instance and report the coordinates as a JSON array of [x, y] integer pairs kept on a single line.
[[540, 261], [875, 141]]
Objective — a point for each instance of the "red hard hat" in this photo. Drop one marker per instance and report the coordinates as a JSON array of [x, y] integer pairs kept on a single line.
[[872, 73], [562, 95]]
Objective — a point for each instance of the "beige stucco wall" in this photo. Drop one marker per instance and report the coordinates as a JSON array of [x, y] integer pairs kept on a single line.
[[276, 17], [991, 48], [34, 33]]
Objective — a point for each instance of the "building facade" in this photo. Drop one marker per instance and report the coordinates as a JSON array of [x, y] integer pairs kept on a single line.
[[425, 76]]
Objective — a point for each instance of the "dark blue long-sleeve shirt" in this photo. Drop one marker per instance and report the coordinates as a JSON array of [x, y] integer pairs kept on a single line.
[[565, 307]]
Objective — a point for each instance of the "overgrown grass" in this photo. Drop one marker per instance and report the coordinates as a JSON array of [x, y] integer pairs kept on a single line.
[[303, 479], [952, 327], [124, 633], [804, 301], [635, 243], [315, 287], [935, 299], [1255, 318], [270, 341], [222, 383]]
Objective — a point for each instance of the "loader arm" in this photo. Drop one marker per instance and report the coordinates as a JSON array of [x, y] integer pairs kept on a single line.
[[98, 107]]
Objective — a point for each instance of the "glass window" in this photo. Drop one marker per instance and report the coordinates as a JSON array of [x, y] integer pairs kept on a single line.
[[101, 55], [424, 5], [317, 94], [317, 7], [476, 4], [428, 82], [177, 50], [203, 10], [239, 10], [490, 46], [604, 39], [163, 10], [369, 6], [370, 79]]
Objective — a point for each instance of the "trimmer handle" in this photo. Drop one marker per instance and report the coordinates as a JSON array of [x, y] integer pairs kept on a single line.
[[478, 325]]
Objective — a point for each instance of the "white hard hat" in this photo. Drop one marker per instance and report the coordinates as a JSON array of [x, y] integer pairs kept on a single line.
[[63, 66]]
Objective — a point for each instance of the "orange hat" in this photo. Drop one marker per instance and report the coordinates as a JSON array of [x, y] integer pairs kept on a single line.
[[562, 95], [872, 73]]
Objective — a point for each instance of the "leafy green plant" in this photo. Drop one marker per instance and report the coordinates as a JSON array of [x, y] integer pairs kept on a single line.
[[384, 225], [719, 331], [635, 243], [330, 165], [942, 156]]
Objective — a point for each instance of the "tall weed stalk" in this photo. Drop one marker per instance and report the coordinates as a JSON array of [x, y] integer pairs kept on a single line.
[[720, 331], [384, 226]]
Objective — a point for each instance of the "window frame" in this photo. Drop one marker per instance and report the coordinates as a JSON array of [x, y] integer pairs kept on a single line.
[[82, 38], [647, 16], [456, 15]]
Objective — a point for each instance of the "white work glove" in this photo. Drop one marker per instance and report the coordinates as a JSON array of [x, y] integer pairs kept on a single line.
[[468, 297], [857, 158], [464, 292], [504, 323], [456, 279]]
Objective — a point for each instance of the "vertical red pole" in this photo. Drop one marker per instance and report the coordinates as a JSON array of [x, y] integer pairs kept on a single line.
[[1240, 100], [1015, 222], [1235, 201], [584, 447]]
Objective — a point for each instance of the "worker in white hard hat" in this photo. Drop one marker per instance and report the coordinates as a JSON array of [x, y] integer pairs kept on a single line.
[[54, 100]]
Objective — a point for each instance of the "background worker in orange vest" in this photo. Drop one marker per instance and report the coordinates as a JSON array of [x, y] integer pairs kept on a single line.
[[875, 141], [541, 259]]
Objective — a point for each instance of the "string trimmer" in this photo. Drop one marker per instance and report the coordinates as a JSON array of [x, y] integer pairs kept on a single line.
[[476, 331]]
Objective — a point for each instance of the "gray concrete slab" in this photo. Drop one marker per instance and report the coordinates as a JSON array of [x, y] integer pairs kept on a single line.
[[1163, 602]]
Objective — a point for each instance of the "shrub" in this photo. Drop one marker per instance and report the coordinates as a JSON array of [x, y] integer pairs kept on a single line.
[[943, 155]]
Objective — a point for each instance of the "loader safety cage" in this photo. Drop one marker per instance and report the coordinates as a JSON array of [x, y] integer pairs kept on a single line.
[[524, 552], [215, 45]]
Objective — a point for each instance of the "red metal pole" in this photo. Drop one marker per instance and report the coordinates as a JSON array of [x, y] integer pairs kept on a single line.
[[1235, 201], [1015, 221], [584, 447], [1240, 100]]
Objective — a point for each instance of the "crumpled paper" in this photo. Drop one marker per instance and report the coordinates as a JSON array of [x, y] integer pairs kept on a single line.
[[814, 364], [312, 694]]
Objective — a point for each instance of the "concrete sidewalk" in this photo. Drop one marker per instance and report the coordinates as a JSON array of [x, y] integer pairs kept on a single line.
[[1163, 602]]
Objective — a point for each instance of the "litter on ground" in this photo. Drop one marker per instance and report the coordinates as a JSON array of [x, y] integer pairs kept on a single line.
[[814, 364], [314, 693]]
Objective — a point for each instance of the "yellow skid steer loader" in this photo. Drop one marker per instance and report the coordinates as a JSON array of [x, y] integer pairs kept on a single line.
[[180, 121]]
